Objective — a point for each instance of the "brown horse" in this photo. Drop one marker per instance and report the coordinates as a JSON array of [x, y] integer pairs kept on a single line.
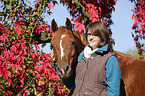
[[67, 45], [132, 74]]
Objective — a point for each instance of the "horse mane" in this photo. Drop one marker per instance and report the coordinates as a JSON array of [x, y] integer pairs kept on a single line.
[[81, 36], [120, 54]]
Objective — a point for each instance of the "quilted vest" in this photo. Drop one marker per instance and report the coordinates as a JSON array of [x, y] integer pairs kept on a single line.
[[90, 76]]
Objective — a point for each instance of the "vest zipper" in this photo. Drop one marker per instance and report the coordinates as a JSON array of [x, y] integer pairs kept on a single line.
[[87, 61]]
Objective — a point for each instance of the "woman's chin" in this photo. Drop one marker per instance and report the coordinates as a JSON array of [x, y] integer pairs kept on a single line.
[[93, 47]]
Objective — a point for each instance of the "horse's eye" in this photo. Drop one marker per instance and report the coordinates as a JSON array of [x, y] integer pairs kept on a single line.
[[73, 43], [51, 47]]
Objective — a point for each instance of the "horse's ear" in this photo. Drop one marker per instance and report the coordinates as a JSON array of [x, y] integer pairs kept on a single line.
[[54, 25], [68, 24]]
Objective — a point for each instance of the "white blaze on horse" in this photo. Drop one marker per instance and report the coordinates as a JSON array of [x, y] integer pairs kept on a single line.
[[67, 45], [61, 47]]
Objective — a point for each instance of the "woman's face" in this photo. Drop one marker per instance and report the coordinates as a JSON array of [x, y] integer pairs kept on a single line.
[[94, 41]]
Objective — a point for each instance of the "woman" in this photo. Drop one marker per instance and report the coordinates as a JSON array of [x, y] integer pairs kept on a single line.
[[98, 71]]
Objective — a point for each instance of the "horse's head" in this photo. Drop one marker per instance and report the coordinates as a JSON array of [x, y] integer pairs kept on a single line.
[[66, 46]]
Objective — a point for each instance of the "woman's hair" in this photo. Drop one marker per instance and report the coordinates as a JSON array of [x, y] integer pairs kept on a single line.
[[100, 29]]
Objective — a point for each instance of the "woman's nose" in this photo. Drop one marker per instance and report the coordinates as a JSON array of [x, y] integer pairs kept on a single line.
[[91, 36]]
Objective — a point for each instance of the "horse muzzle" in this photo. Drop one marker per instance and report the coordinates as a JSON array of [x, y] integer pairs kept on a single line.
[[64, 71]]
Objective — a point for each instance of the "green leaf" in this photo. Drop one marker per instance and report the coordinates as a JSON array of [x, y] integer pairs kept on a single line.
[[29, 62], [43, 45], [29, 2]]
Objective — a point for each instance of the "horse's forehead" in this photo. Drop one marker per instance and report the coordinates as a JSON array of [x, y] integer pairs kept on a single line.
[[65, 39], [59, 35]]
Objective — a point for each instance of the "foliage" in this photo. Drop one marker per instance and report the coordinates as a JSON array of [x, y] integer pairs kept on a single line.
[[134, 53], [139, 25], [85, 11], [24, 68]]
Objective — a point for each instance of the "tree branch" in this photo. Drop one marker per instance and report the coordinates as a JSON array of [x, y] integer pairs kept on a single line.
[[82, 8]]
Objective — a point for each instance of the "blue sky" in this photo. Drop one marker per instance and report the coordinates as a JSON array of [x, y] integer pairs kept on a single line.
[[121, 29]]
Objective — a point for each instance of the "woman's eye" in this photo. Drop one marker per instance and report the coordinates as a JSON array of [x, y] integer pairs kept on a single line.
[[91, 34]]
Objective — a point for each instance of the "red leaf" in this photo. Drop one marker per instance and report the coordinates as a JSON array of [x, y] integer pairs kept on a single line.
[[15, 66], [39, 68], [13, 48], [22, 80], [6, 74], [84, 2], [22, 46], [20, 53], [100, 9], [38, 30], [80, 27], [6, 54], [50, 5], [9, 92], [3, 38], [18, 29], [40, 62]]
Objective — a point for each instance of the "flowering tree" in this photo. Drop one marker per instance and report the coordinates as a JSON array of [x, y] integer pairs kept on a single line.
[[86, 11], [139, 25], [24, 68]]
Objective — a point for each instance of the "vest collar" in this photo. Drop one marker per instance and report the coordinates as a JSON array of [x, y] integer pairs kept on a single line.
[[104, 48], [99, 50]]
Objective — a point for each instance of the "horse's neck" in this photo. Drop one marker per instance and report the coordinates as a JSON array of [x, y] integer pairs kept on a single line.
[[123, 55]]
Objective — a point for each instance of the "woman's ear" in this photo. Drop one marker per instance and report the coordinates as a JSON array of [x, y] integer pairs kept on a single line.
[[102, 43]]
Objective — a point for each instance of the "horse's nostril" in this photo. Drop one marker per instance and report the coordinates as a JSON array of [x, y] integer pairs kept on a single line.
[[64, 70], [67, 67]]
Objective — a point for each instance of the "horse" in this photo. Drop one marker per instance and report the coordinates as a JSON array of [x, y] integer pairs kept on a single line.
[[68, 44], [132, 74]]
